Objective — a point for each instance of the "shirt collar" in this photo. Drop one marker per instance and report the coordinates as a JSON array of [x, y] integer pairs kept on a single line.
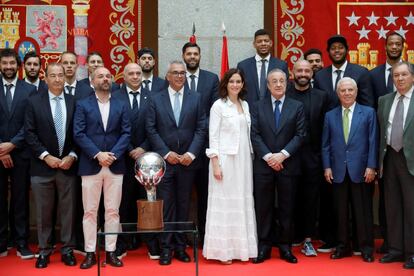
[[282, 100], [342, 68], [259, 58], [14, 82], [172, 91], [130, 90], [196, 73], [36, 83], [99, 101], [351, 108], [150, 78], [72, 85], [52, 96], [408, 94]]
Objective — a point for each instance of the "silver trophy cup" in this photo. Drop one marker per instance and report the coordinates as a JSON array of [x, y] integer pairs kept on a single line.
[[149, 170]]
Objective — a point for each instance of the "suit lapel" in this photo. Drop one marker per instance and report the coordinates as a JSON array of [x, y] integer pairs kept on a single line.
[[167, 104], [185, 105], [355, 122], [410, 113], [3, 98], [69, 109], [387, 108], [338, 119], [97, 112], [268, 110], [284, 114], [17, 95], [253, 69], [48, 110]]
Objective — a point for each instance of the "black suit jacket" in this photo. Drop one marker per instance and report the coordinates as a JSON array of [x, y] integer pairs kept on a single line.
[[267, 139], [158, 84], [41, 135], [319, 104], [42, 86], [163, 132], [323, 81], [249, 69], [82, 91], [86, 81], [12, 123], [137, 118]]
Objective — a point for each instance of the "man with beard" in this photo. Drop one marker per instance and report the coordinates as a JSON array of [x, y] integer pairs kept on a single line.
[[32, 65], [314, 56], [382, 83], [146, 59], [315, 104], [327, 78], [102, 131], [93, 61], [206, 84], [73, 87], [14, 155], [255, 68]]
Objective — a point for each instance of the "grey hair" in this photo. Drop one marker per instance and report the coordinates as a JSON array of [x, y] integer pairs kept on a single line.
[[401, 63], [345, 79], [277, 70]]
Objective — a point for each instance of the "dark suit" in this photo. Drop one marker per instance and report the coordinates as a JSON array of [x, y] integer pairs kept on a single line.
[[42, 86], [267, 139], [323, 81], [158, 84], [41, 136], [12, 130], [115, 86], [398, 174], [81, 91], [315, 104], [207, 88], [165, 136], [249, 69], [348, 162]]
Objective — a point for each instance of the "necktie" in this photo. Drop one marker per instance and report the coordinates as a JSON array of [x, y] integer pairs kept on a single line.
[[262, 86], [69, 89], [338, 77], [276, 113], [9, 98], [397, 126], [134, 100], [345, 124], [146, 84], [58, 120], [192, 84], [177, 107], [390, 82]]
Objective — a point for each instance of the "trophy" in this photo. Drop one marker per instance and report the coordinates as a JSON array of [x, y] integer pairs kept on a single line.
[[149, 170]]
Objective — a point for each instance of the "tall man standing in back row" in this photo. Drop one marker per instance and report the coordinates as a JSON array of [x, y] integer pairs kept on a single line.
[[255, 68]]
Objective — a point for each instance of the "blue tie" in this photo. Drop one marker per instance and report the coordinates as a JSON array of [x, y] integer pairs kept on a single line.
[[276, 112], [58, 120], [177, 107]]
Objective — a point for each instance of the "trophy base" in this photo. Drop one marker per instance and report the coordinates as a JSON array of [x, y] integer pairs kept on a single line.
[[150, 214]]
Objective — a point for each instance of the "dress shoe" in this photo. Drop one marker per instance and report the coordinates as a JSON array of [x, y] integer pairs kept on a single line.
[[42, 261], [366, 257], [288, 257], [391, 258], [89, 261], [341, 253], [113, 260], [24, 252], [261, 257], [409, 264], [69, 259], [182, 256], [153, 251], [165, 258]]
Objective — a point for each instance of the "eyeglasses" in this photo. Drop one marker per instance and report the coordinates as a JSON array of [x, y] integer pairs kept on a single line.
[[178, 74]]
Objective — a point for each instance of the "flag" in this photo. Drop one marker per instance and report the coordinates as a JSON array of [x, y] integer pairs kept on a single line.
[[193, 37], [224, 54]]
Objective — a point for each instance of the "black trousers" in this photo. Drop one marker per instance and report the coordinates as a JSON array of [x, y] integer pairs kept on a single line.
[[175, 190], [201, 185], [19, 201], [264, 197], [358, 196], [399, 203]]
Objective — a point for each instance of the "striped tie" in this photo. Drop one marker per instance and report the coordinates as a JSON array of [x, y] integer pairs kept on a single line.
[[58, 120]]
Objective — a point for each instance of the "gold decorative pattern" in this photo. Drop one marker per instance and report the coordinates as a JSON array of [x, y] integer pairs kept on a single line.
[[123, 35], [291, 28]]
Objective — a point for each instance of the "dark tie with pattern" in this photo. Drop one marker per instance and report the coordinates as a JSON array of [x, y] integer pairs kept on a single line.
[[146, 84], [9, 98], [262, 86], [69, 89], [397, 127], [134, 100], [390, 82], [338, 77], [58, 120], [276, 113], [192, 84]]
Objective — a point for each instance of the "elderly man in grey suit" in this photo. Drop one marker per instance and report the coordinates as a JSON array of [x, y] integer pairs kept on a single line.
[[395, 115]]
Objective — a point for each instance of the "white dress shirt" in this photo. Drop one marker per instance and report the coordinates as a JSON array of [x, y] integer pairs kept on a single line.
[[149, 84], [12, 89], [196, 74], [131, 97], [406, 102], [334, 74], [104, 110], [73, 85], [259, 65]]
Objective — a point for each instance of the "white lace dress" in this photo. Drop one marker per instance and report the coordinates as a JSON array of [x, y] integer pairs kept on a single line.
[[231, 222]]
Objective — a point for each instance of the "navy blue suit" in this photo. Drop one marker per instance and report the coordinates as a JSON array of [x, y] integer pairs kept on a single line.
[[165, 136], [12, 130], [348, 162], [249, 69], [267, 139], [91, 137], [158, 84], [323, 81]]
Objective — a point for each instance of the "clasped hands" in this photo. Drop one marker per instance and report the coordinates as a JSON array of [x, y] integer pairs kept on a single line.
[[5, 158], [275, 161], [56, 163], [174, 158]]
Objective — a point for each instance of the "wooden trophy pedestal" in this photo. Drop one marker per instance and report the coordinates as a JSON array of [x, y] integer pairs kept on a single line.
[[150, 214]]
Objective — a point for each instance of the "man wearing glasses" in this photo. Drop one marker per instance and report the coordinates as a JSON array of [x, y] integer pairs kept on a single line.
[[176, 129]]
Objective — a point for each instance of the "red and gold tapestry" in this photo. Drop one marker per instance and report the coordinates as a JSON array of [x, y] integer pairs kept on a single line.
[[300, 25], [111, 27]]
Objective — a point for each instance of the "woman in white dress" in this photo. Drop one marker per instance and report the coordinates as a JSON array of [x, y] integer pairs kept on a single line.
[[230, 222]]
